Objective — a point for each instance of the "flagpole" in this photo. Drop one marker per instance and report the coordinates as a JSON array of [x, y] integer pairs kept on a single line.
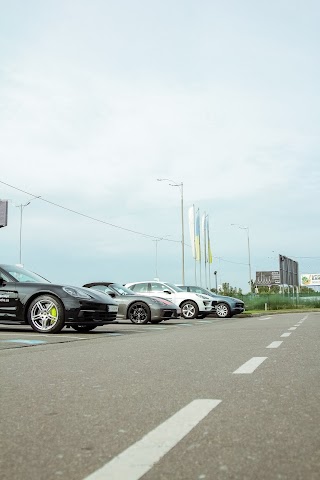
[[198, 214], [204, 248], [194, 245]]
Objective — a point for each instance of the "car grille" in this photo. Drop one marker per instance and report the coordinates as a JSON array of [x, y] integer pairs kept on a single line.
[[97, 316], [169, 314]]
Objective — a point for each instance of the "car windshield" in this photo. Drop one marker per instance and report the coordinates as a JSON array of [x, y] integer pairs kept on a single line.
[[23, 275], [174, 287], [121, 290]]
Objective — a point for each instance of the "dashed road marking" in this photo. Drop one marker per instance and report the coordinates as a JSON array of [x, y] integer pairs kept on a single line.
[[24, 341], [251, 365], [286, 334], [266, 318], [138, 459], [275, 344], [292, 328]]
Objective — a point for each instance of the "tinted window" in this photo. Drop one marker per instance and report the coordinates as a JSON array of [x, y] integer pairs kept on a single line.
[[139, 287], [102, 288], [159, 287]]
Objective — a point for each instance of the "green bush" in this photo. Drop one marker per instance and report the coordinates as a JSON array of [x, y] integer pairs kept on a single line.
[[280, 302]]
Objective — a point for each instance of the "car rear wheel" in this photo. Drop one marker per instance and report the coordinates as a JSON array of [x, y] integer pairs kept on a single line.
[[223, 310], [189, 309], [84, 328], [139, 313], [46, 314]]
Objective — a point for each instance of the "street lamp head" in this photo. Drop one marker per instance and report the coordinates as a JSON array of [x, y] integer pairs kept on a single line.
[[239, 226], [172, 184]]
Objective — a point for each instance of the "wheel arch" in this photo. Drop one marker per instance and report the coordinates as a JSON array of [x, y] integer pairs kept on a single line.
[[39, 294], [188, 300], [137, 301]]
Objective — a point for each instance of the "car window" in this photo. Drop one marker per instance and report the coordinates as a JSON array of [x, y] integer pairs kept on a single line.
[[4, 277], [102, 288], [159, 287], [139, 287], [121, 290], [197, 290]]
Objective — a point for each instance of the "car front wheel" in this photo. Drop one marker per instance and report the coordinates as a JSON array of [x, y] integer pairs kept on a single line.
[[223, 310], [46, 314], [139, 313], [189, 310]]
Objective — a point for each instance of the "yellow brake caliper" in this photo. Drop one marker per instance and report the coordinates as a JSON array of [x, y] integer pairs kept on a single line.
[[53, 313]]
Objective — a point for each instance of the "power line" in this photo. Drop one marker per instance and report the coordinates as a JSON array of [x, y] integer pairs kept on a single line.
[[88, 216]]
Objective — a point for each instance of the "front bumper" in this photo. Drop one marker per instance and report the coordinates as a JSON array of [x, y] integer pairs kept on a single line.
[[84, 312], [167, 313]]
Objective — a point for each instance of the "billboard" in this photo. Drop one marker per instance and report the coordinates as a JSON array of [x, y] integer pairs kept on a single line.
[[267, 278], [288, 271], [310, 279], [3, 213]]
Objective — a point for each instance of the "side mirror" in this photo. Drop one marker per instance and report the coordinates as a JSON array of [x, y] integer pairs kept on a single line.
[[2, 282], [167, 291], [111, 294]]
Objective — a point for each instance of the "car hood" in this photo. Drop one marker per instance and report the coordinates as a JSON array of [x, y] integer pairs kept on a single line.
[[192, 296], [225, 297]]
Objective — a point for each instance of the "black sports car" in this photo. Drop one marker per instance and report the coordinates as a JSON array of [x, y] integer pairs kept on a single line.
[[137, 308], [27, 298]]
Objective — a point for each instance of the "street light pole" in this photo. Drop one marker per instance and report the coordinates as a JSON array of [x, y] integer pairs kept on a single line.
[[249, 257], [180, 185], [22, 206], [157, 240], [215, 275]]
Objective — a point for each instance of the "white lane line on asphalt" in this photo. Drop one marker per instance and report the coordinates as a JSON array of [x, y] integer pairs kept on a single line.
[[298, 325], [275, 344], [138, 459], [292, 328], [39, 335], [287, 334], [250, 365], [266, 318]]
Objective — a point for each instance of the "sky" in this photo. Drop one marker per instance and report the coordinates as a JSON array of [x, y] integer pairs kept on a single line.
[[100, 99]]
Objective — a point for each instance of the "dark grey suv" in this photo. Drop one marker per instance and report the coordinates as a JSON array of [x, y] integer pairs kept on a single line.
[[224, 307]]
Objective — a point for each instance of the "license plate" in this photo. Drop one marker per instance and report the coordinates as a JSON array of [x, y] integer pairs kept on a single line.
[[113, 308]]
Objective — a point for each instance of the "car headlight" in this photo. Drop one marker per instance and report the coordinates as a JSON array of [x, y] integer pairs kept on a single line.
[[75, 292]]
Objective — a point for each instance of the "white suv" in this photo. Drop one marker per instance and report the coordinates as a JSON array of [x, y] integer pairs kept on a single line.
[[192, 305]]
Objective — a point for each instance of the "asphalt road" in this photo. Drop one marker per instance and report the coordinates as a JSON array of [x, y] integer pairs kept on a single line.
[[198, 400]]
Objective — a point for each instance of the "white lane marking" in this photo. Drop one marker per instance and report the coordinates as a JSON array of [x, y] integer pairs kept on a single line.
[[298, 325], [138, 459], [287, 334], [275, 344], [250, 365], [43, 335], [266, 318], [292, 328]]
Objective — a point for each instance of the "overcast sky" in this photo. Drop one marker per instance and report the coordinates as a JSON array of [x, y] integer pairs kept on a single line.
[[100, 98]]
